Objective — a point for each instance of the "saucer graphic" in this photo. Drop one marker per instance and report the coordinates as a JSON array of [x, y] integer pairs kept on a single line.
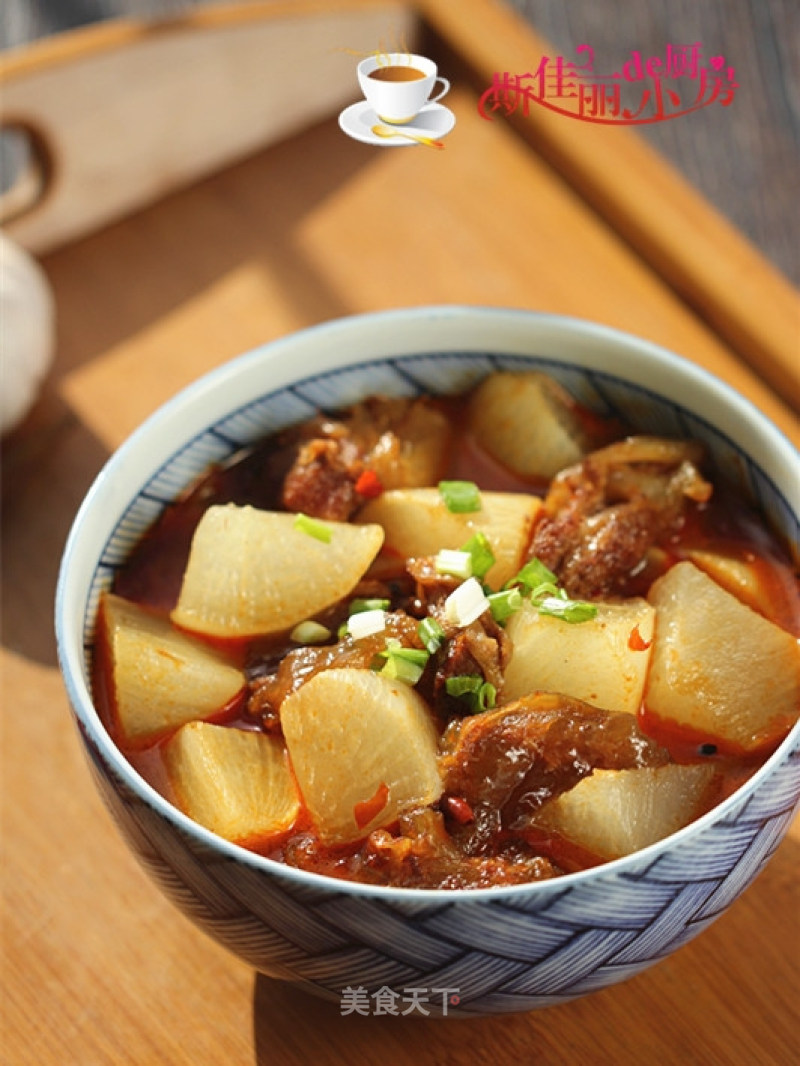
[[434, 120]]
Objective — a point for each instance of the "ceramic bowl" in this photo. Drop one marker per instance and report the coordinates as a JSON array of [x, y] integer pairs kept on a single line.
[[472, 951]]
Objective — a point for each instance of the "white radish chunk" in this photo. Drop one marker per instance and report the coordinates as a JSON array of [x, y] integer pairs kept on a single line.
[[363, 749], [736, 575], [235, 782], [717, 665], [528, 423], [616, 812], [768, 586], [602, 661], [253, 572], [417, 523], [413, 452], [160, 677]]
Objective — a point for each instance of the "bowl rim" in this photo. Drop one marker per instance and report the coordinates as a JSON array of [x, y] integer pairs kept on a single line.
[[487, 329]]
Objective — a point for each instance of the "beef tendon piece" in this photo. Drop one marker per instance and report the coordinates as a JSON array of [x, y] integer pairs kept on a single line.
[[479, 649], [507, 763], [267, 692], [423, 855], [602, 516]]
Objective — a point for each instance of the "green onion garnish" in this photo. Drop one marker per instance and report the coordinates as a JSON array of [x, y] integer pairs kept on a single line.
[[358, 605], [454, 563], [504, 604], [431, 634], [402, 664], [563, 607], [532, 575], [541, 592], [480, 695], [541, 585], [483, 558], [460, 497], [313, 527], [310, 632]]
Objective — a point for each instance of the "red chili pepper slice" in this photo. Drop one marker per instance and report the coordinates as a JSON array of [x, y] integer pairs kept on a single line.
[[366, 810], [636, 641], [369, 485]]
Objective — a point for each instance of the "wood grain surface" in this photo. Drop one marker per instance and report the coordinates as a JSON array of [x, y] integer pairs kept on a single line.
[[746, 162], [98, 968]]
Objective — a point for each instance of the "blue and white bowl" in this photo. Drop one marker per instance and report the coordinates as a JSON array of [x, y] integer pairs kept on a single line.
[[474, 951]]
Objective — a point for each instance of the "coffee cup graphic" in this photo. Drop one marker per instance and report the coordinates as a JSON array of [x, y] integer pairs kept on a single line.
[[397, 85]]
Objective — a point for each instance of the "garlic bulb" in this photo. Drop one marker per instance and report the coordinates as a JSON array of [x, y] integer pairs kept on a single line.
[[27, 332]]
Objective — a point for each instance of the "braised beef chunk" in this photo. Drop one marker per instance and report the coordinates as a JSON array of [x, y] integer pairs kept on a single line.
[[422, 854], [602, 516], [479, 649], [268, 691], [508, 762], [399, 442], [322, 481], [431, 585]]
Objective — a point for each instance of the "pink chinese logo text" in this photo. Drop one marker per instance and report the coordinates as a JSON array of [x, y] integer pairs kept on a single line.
[[644, 90]]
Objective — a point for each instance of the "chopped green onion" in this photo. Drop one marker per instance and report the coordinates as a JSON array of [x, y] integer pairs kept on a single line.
[[431, 634], [412, 655], [546, 596], [483, 558], [567, 609], [313, 527], [460, 497], [358, 605], [504, 604], [398, 669], [480, 695], [454, 563], [532, 575], [466, 603], [541, 592], [366, 623], [487, 696], [463, 684], [310, 632], [403, 664]]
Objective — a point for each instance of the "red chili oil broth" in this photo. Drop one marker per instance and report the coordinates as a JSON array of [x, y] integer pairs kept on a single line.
[[153, 574]]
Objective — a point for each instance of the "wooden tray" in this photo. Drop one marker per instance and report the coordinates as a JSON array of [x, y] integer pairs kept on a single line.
[[196, 197]]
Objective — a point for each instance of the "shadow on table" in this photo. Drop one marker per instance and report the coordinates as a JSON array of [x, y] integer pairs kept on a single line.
[[47, 468], [286, 1017]]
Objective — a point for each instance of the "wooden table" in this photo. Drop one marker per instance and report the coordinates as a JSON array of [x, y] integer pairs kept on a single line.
[[541, 213]]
